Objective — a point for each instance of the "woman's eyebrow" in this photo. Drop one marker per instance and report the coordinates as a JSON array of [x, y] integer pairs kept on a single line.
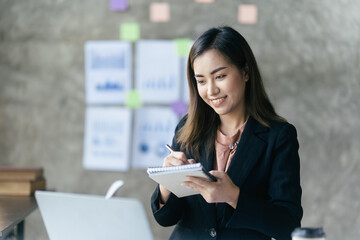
[[212, 72], [217, 69]]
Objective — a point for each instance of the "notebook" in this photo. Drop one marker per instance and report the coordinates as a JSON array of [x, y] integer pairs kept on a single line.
[[171, 177], [79, 216]]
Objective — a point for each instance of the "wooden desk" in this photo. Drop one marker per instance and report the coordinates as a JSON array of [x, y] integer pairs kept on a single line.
[[13, 211]]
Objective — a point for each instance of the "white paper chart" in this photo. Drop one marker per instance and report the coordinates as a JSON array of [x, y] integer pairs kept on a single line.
[[108, 69], [154, 127], [107, 134], [158, 71]]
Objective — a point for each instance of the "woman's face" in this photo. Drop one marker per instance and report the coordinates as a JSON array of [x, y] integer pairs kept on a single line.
[[220, 83]]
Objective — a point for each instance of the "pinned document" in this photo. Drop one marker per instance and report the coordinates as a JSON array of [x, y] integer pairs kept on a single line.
[[108, 71], [106, 141], [157, 71], [154, 127]]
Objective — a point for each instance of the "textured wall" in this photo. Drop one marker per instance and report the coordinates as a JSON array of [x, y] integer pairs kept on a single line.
[[308, 52]]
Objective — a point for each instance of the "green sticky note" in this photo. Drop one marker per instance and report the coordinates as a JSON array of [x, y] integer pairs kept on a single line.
[[182, 46], [130, 32], [133, 99]]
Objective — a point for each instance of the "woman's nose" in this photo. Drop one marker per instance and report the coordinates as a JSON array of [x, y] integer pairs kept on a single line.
[[212, 88]]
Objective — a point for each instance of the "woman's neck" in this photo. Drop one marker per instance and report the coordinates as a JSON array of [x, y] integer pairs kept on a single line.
[[230, 125]]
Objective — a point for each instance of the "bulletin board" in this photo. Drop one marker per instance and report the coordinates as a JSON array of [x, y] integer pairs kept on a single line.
[[136, 87]]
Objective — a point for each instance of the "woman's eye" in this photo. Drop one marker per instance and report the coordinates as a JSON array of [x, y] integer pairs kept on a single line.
[[200, 81], [220, 76]]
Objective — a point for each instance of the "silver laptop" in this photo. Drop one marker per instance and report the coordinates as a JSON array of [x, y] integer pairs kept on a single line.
[[80, 216]]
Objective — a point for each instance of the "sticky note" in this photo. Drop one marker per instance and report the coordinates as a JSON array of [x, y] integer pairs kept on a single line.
[[130, 31], [159, 12], [118, 5], [133, 99], [179, 107], [247, 14], [182, 46], [204, 1]]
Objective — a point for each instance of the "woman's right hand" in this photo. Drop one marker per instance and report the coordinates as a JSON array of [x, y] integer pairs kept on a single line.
[[176, 159], [173, 159]]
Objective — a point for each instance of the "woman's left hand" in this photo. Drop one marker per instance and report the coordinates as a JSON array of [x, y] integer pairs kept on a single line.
[[223, 190]]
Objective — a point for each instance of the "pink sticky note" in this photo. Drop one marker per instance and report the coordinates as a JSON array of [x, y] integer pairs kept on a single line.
[[247, 14], [118, 5], [159, 12], [179, 107], [204, 1]]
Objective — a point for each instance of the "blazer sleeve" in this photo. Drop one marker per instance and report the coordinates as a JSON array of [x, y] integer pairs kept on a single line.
[[172, 210], [278, 216]]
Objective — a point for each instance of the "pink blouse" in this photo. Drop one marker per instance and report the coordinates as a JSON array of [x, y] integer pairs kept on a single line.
[[223, 145]]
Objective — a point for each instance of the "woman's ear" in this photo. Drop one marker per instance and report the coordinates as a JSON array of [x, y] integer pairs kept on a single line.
[[246, 72]]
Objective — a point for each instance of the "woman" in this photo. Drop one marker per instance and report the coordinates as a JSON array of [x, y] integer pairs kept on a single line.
[[234, 131]]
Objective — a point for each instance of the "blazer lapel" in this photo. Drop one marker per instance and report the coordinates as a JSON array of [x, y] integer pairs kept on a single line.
[[247, 154]]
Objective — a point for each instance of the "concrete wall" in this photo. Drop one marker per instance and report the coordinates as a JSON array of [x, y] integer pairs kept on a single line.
[[308, 52]]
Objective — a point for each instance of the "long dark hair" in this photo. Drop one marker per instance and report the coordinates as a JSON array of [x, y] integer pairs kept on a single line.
[[202, 121]]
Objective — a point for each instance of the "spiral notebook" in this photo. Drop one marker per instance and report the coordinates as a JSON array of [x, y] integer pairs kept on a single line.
[[172, 177]]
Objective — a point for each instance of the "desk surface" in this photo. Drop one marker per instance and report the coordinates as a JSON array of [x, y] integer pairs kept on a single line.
[[13, 210]]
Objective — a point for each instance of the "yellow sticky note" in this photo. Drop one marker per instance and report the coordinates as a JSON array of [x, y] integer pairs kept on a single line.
[[182, 46], [159, 12], [247, 14], [204, 1], [133, 99], [130, 32]]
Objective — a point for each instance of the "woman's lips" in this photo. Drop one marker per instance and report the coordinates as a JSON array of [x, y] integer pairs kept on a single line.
[[217, 101]]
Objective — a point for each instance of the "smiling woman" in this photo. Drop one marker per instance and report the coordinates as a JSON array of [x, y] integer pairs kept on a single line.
[[234, 131], [221, 85]]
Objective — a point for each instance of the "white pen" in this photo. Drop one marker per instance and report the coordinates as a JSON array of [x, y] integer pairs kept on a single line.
[[169, 148]]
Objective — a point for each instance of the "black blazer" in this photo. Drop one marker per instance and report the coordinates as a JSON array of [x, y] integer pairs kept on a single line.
[[266, 168]]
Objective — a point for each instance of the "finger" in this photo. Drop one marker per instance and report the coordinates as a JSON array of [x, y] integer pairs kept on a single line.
[[191, 161], [175, 159], [173, 162], [193, 186], [217, 174], [203, 182], [180, 156]]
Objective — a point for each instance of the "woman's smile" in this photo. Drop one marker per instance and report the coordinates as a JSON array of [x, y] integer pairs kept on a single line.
[[216, 102]]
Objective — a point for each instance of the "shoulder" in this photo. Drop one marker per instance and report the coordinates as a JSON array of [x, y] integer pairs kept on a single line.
[[282, 128], [275, 131], [283, 134]]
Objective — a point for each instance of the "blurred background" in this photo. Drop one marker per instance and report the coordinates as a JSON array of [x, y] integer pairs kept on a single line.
[[308, 53]]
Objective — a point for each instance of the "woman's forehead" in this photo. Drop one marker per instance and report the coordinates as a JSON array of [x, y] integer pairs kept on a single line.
[[209, 59]]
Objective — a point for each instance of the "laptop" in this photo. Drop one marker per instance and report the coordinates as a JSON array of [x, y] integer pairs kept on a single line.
[[80, 216]]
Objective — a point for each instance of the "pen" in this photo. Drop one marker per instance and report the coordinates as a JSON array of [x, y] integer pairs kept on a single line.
[[169, 148]]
